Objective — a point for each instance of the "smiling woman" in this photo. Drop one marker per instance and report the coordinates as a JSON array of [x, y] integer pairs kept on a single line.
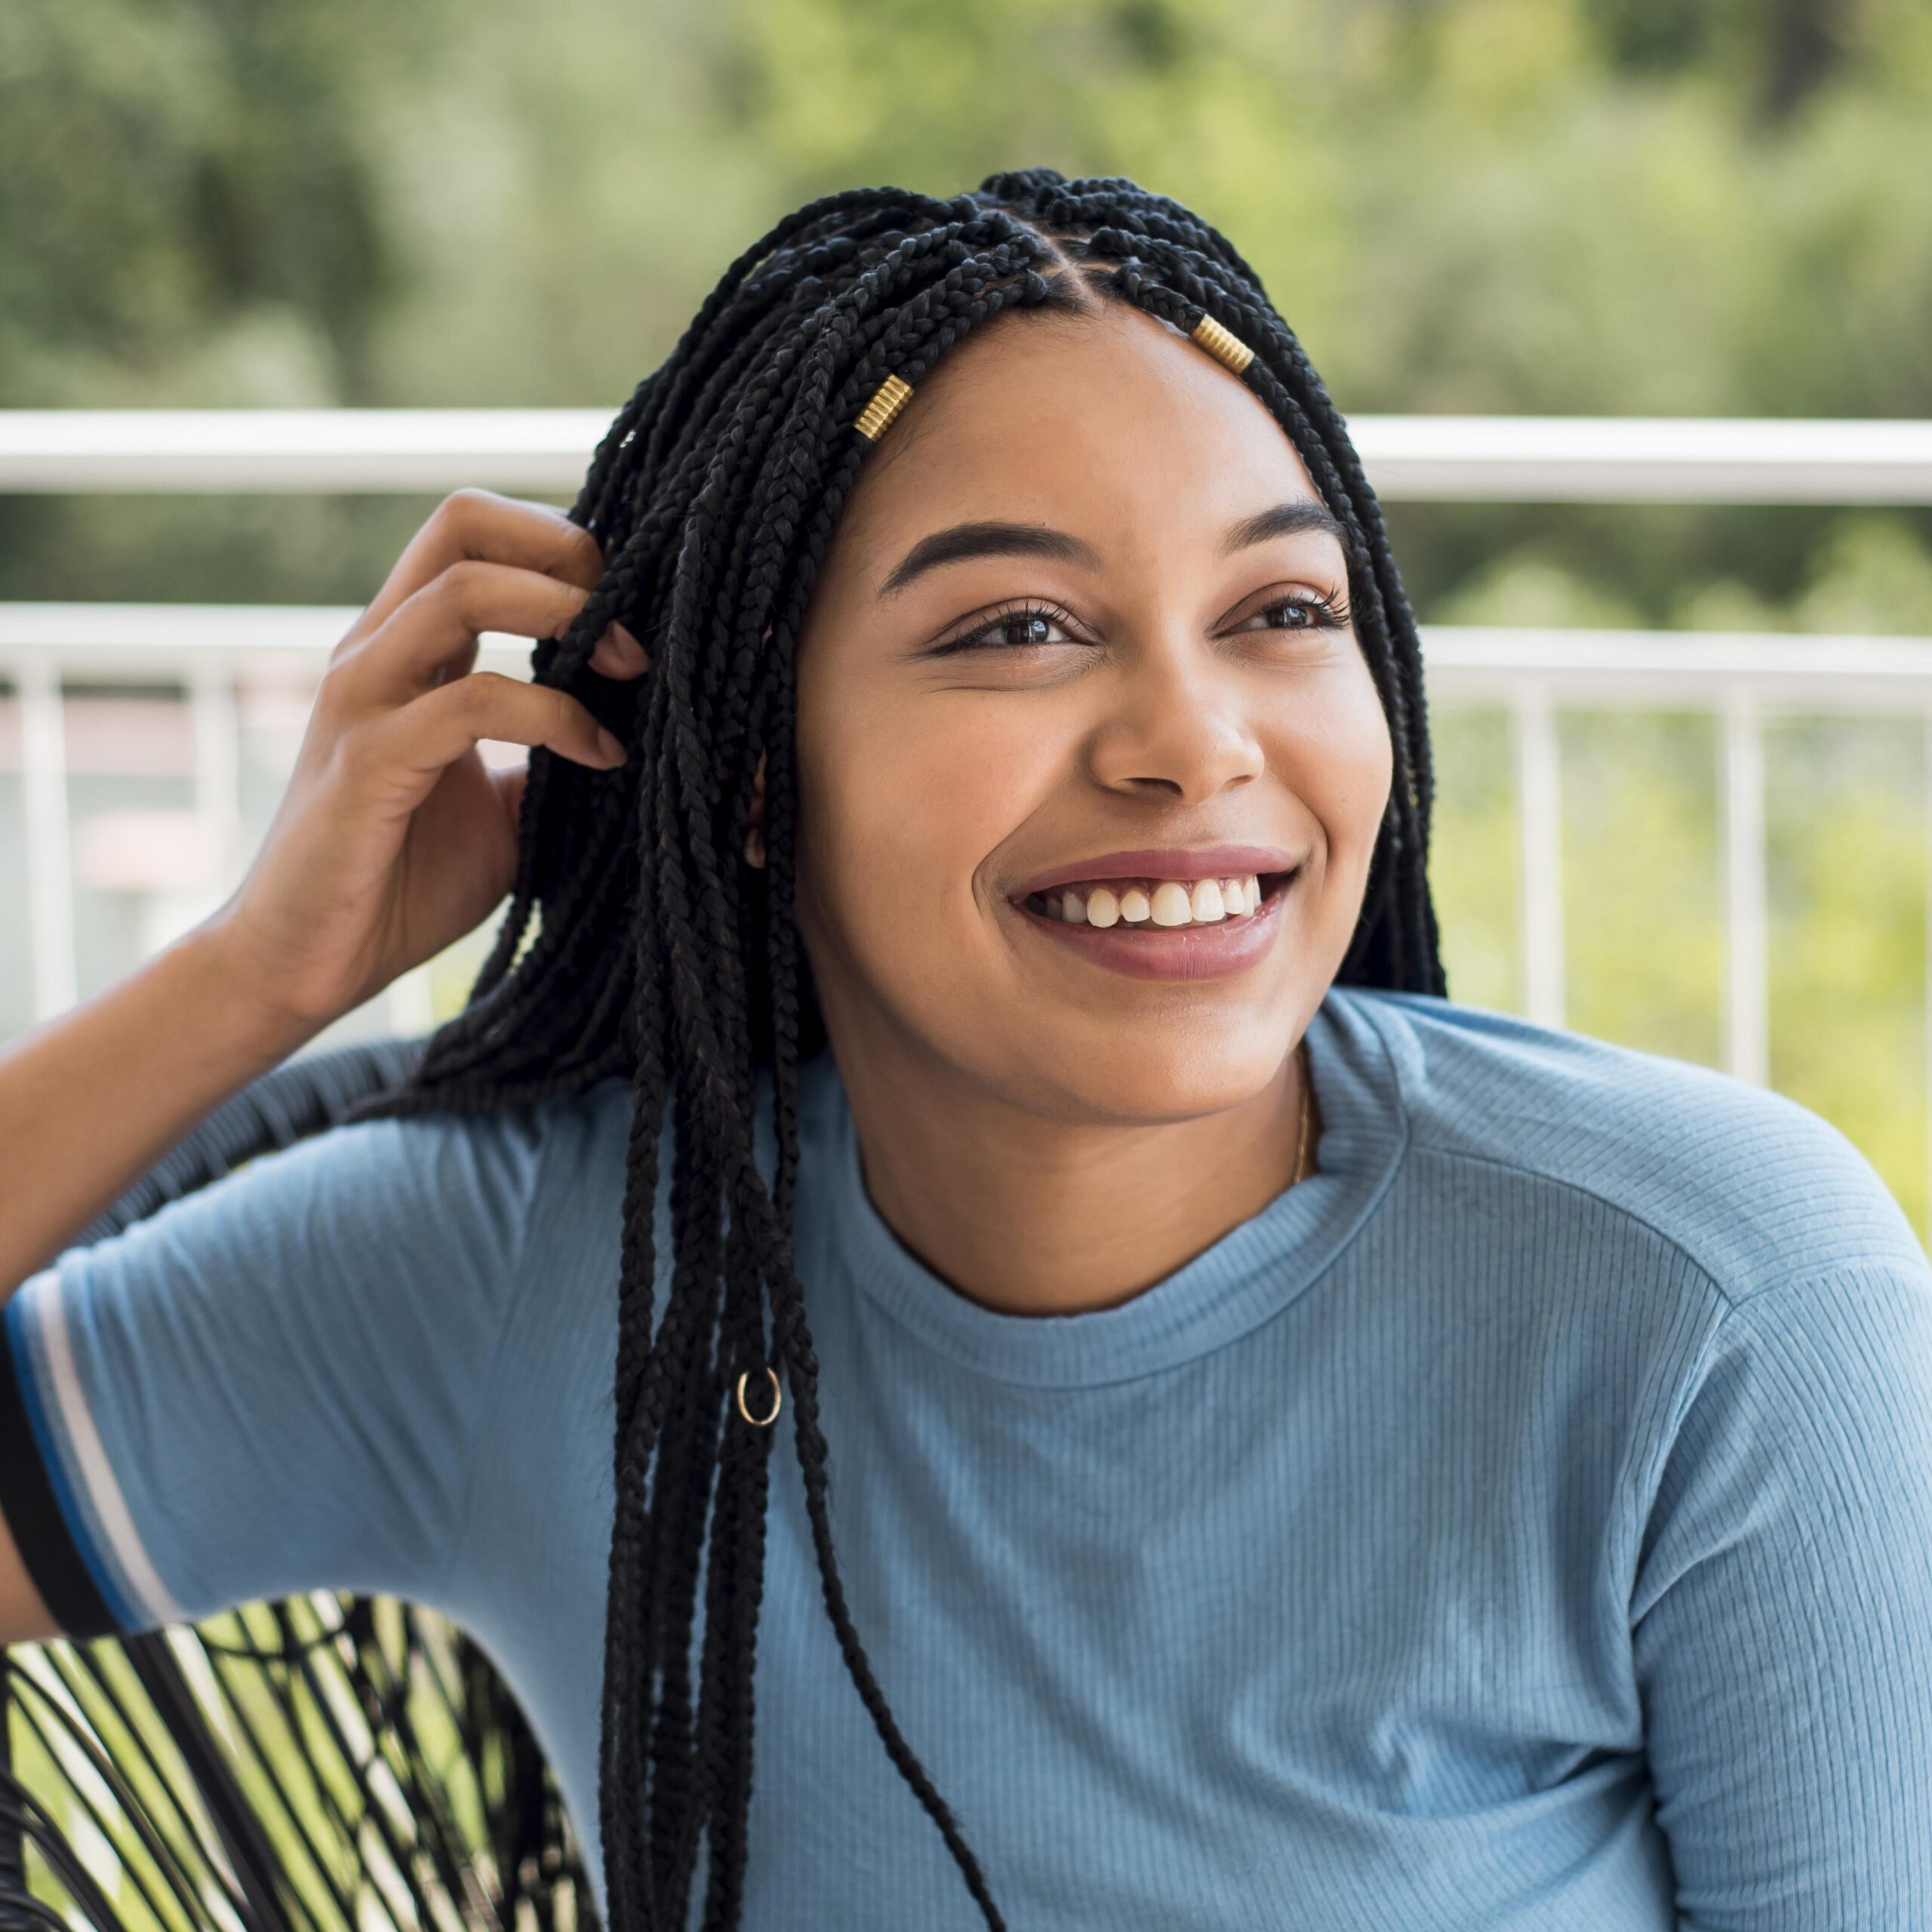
[[1307, 1452]]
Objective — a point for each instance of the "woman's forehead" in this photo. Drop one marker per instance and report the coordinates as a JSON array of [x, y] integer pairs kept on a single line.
[[1110, 419]]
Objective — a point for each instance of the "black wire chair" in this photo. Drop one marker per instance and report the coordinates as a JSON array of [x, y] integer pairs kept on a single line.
[[326, 1764]]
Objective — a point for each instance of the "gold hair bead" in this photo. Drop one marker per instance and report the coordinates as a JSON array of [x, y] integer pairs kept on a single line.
[[1221, 344], [876, 417]]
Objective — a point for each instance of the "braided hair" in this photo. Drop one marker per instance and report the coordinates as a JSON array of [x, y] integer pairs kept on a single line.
[[636, 943]]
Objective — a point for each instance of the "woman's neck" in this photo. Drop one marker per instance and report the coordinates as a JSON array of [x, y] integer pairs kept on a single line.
[[1032, 1216]]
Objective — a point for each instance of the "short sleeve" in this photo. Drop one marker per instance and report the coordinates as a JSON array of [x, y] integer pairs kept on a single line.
[[271, 1385], [1783, 1613]]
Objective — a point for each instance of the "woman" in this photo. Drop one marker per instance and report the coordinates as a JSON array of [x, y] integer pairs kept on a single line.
[[1195, 1428]]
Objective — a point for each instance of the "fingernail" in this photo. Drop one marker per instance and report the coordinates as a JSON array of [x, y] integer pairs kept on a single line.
[[625, 638], [608, 744]]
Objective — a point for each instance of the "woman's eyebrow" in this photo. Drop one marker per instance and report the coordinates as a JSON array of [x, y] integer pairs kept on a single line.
[[960, 540], [1283, 520]]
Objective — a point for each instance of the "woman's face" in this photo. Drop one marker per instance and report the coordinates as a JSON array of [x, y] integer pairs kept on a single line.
[[1076, 630]]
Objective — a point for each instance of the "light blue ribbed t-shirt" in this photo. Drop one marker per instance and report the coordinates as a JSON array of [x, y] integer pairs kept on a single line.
[[1524, 1524]]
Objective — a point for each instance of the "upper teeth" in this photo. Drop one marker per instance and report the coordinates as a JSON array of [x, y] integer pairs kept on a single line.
[[1164, 901]]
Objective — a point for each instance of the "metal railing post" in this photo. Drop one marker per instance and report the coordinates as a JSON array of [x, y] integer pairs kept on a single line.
[[1926, 781], [217, 765], [50, 853], [1539, 855], [1747, 1052]]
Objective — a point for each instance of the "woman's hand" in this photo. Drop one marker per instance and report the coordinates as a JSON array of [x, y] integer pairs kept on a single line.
[[393, 839]]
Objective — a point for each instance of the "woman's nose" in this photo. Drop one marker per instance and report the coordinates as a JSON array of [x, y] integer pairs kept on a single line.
[[1177, 723]]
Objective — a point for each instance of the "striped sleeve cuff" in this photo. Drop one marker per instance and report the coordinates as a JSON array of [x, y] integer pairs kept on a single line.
[[70, 1521]]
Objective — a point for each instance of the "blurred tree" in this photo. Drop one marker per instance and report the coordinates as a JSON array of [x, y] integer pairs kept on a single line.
[[182, 180], [195, 209], [1642, 921], [1845, 805]]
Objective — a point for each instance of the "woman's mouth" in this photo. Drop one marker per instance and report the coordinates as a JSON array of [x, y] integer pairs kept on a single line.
[[1150, 902], [1165, 929]]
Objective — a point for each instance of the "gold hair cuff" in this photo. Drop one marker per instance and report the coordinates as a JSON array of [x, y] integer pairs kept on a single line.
[[777, 1400], [1223, 344], [876, 417]]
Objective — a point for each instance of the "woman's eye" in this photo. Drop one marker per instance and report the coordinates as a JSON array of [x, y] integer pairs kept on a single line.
[[1030, 628], [1024, 628], [1295, 613]]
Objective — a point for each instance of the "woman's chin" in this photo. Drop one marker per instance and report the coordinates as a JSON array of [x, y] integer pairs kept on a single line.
[[1146, 1081]]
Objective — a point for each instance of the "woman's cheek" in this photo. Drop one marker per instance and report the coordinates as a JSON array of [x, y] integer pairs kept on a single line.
[[1342, 763], [958, 786], [902, 815]]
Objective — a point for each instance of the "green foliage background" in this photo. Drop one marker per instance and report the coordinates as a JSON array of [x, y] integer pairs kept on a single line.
[[1550, 206]]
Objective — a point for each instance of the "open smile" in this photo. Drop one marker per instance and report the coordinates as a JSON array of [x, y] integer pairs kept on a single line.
[[1151, 928]]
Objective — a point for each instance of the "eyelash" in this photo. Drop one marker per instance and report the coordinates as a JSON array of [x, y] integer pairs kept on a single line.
[[1327, 613]]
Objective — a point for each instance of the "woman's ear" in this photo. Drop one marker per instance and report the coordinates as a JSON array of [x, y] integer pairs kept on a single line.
[[755, 826]]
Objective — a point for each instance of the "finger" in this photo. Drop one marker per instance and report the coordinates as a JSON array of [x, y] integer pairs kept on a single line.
[[482, 526], [618, 654], [434, 731], [432, 637]]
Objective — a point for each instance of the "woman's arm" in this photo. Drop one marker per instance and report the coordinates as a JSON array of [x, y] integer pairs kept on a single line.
[[392, 840], [89, 1102], [1783, 1613]]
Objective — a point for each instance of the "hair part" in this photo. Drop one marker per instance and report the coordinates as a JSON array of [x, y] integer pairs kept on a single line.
[[636, 943]]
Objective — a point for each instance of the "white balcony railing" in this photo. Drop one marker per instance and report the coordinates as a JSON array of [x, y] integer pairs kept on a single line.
[[1413, 459], [212, 653]]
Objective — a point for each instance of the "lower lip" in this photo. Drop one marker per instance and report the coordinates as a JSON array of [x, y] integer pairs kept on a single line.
[[1173, 952]]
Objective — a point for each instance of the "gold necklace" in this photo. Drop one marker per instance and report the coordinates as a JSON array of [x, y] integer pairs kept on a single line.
[[1301, 1134]]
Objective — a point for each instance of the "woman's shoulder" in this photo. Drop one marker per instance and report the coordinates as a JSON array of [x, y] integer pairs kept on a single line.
[[1754, 1188], [451, 1193], [567, 1139]]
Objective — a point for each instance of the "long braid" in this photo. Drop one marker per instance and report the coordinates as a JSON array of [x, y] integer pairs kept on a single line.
[[657, 955]]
